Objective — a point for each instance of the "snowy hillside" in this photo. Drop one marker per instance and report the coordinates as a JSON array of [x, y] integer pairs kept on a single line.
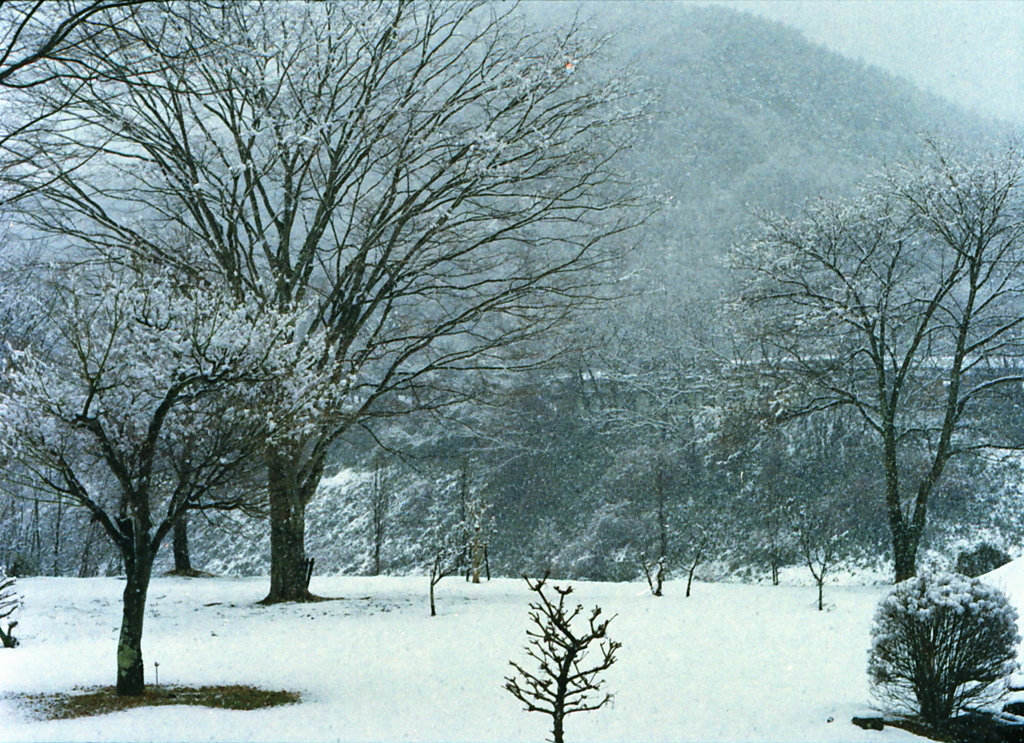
[[733, 662]]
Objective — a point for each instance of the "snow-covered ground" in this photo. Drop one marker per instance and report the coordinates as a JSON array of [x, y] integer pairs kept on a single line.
[[731, 663]]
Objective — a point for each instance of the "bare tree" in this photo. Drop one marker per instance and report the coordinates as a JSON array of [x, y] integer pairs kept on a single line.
[[444, 539], [438, 179], [478, 527], [563, 684], [655, 573], [141, 367], [819, 534], [380, 498], [905, 306], [703, 537]]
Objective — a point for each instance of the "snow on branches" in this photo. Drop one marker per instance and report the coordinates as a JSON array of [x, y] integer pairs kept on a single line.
[[940, 643], [136, 359], [147, 402], [902, 307], [10, 601]]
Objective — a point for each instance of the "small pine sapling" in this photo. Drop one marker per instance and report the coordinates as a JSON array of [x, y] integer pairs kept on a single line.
[[563, 684], [9, 603]]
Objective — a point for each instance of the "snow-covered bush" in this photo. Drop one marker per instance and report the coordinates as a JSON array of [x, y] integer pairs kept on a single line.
[[942, 642], [982, 559], [9, 603]]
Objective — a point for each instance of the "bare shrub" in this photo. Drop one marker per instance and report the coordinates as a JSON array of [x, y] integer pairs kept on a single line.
[[563, 684]]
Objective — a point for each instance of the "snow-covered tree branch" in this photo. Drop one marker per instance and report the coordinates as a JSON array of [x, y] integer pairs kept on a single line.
[[143, 408], [905, 305]]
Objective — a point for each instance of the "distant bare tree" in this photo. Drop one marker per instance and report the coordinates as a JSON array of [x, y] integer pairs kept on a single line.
[[655, 573], [444, 539], [819, 534], [478, 528], [380, 498], [702, 536]]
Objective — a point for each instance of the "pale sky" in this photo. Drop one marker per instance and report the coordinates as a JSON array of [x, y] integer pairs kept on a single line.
[[969, 51]]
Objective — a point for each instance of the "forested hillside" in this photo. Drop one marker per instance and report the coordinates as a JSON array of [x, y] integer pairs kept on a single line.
[[748, 116], [602, 462]]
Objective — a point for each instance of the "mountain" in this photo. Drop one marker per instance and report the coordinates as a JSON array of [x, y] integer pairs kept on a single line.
[[749, 115]]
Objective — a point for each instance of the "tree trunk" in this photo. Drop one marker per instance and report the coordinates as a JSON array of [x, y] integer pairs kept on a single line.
[[288, 500], [130, 668], [287, 548], [904, 541], [477, 558], [557, 731], [904, 544], [85, 567], [56, 538], [7, 639], [821, 591], [561, 687], [182, 558], [435, 578], [37, 540]]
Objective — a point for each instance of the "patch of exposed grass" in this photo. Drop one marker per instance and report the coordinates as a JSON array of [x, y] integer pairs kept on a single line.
[[102, 700]]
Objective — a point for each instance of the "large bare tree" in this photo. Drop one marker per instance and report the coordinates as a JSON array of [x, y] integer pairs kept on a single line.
[[437, 179], [905, 305]]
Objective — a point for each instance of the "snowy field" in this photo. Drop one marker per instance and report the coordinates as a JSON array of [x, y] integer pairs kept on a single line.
[[731, 663]]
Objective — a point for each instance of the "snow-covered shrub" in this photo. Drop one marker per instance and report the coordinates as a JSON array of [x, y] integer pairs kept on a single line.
[[942, 642], [982, 559], [9, 603]]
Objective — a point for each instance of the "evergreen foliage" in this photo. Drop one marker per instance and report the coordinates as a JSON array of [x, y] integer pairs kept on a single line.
[[982, 559]]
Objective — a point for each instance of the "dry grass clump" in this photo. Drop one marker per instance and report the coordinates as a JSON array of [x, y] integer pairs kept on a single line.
[[102, 700]]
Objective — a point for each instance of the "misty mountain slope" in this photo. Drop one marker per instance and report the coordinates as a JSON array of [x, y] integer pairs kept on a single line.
[[751, 115]]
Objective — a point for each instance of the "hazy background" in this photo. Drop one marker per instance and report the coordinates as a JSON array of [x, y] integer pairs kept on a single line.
[[970, 52]]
